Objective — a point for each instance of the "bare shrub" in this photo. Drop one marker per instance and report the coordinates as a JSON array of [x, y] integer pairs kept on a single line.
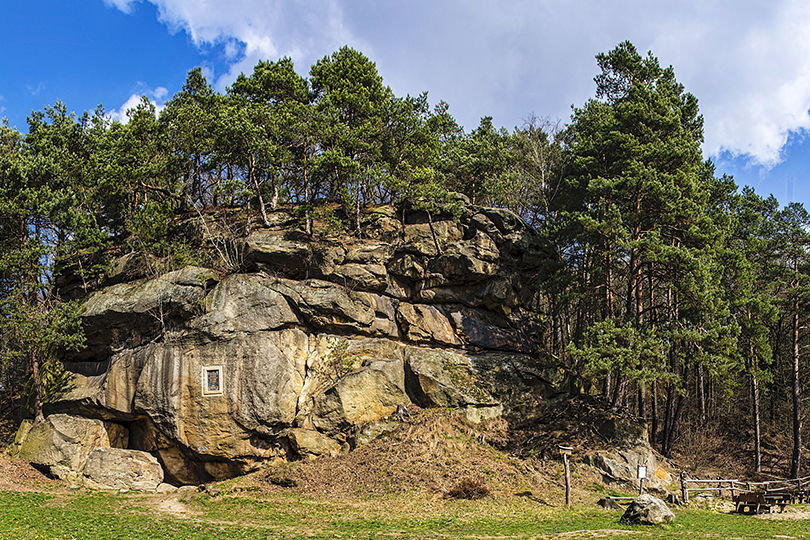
[[468, 488]]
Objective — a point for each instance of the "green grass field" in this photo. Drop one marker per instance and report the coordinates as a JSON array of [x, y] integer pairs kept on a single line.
[[85, 514]]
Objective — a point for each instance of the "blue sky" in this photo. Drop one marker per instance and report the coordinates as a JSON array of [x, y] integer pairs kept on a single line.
[[748, 62]]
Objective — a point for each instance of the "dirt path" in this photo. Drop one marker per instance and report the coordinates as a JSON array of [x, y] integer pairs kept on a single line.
[[787, 515]]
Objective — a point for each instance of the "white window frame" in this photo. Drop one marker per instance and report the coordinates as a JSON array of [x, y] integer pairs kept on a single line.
[[204, 381]]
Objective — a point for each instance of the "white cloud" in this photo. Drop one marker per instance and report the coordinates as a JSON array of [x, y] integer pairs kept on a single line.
[[747, 61], [154, 96], [123, 5], [253, 30], [35, 89]]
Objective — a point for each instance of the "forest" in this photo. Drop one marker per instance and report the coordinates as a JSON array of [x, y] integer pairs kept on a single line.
[[671, 292]]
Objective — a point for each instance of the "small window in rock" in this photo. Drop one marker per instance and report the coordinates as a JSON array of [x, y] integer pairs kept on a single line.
[[212, 380]]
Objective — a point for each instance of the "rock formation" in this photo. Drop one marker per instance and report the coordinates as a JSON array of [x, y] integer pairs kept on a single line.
[[307, 350], [311, 346]]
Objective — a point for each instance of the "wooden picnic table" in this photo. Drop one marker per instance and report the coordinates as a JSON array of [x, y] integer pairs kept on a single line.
[[757, 502]]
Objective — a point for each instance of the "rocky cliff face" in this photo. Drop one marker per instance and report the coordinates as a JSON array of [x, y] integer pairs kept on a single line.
[[313, 346]]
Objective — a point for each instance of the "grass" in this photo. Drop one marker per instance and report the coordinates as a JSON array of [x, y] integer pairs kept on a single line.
[[286, 514]]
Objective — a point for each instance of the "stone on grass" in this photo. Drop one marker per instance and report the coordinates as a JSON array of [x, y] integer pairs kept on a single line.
[[62, 443], [647, 510], [117, 468], [609, 503]]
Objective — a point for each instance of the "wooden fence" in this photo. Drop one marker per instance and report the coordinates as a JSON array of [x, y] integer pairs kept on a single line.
[[796, 488]]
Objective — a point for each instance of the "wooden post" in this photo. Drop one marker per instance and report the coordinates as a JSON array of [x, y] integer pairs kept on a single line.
[[684, 488], [719, 487], [567, 480], [566, 451]]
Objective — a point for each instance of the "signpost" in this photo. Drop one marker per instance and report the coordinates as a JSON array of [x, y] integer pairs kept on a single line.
[[566, 451], [642, 474]]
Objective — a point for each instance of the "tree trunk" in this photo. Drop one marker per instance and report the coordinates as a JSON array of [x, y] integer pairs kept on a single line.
[[255, 181], [654, 407], [307, 197], [38, 393], [795, 461], [701, 393], [757, 424]]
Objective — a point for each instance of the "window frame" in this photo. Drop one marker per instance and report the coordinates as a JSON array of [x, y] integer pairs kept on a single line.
[[204, 380]]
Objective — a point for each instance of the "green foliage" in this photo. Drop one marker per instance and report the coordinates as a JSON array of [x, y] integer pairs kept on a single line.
[[637, 353], [339, 361]]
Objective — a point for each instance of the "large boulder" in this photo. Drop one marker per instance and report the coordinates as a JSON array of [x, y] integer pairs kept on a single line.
[[328, 307], [308, 443], [442, 378], [425, 323], [647, 510], [117, 468], [62, 443], [620, 466], [358, 398]]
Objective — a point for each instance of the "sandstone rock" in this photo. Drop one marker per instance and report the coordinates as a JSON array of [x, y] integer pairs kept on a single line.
[[369, 253], [180, 290], [63, 443], [408, 266], [423, 323], [647, 510], [424, 238], [262, 375], [357, 398], [289, 253], [479, 329], [365, 276], [19, 436], [330, 307], [620, 466], [312, 348], [165, 488], [441, 378], [128, 314], [111, 394], [470, 261], [128, 267], [244, 303], [117, 468], [309, 443]]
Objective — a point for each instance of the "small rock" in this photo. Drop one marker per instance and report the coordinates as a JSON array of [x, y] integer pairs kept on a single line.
[[647, 510], [123, 491], [609, 504], [211, 490], [165, 488], [188, 489]]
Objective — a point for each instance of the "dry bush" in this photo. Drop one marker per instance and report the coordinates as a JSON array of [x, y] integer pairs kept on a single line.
[[468, 488]]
